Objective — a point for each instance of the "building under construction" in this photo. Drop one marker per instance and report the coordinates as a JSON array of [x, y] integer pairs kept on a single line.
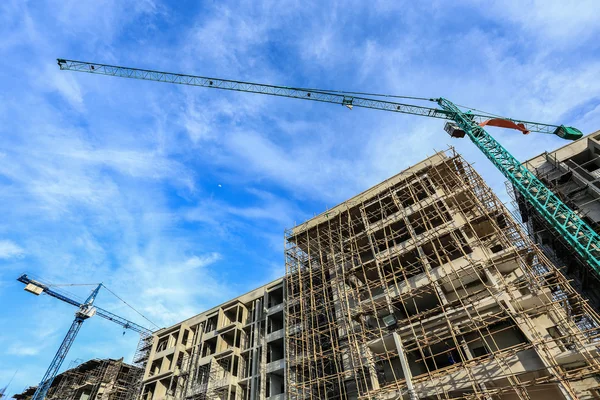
[[424, 287], [572, 173], [234, 351], [96, 379]]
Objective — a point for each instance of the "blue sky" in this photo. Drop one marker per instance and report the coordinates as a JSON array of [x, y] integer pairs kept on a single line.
[[177, 198]]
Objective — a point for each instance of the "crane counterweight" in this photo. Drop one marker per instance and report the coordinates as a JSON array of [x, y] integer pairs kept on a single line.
[[454, 130], [34, 289]]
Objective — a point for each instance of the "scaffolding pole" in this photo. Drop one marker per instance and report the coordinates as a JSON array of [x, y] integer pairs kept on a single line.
[[432, 258]]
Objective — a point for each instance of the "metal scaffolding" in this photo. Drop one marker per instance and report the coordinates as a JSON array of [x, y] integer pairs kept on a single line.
[[105, 379], [425, 287]]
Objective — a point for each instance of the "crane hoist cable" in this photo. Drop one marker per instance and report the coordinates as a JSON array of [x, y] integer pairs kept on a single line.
[[129, 305]]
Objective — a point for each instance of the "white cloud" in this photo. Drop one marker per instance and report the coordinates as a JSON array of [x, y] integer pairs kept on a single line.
[[24, 350], [195, 262], [114, 180], [109, 17], [553, 21], [270, 209], [9, 249], [168, 287]]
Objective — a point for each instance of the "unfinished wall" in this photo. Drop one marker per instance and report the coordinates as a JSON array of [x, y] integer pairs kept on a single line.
[[231, 352], [429, 268]]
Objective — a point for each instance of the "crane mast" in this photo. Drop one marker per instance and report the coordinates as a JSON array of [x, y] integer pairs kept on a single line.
[[580, 236], [85, 310]]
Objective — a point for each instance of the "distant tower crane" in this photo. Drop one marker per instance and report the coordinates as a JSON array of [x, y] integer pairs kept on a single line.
[[583, 239], [85, 311], [5, 388]]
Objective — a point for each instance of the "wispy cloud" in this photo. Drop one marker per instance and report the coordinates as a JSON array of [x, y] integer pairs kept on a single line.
[[551, 22], [177, 198], [22, 349], [9, 249], [164, 289]]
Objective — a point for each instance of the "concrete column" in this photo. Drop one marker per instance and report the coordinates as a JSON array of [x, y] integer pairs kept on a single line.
[[254, 366], [491, 278], [412, 395], [440, 293]]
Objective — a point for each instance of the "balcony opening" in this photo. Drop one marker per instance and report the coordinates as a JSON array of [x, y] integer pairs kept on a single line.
[[148, 392], [179, 363], [429, 218], [186, 338], [202, 377], [155, 367], [171, 387], [245, 365], [436, 356], [389, 371], [275, 322], [380, 209], [355, 223], [484, 229], [235, 367], [211, 324], [162, 344], [174, 339], [402, 267], [390, 236], [230, 339], [465, 203], [362, 280], [561, 340], [230, 316], [498, 336], [167, 363], [275, 350], [446, 248], [464, 284], [423, 300], [275, 385], [415, 192], [275, 297], [210, 346], [363, 248], [480, 351], [221, 369]]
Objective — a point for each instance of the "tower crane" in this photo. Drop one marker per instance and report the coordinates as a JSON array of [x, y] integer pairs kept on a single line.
[[85, 310], [461, 122]]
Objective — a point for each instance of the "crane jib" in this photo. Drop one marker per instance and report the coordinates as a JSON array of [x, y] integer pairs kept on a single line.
[[85, 311], [565, 221], [337, 97]]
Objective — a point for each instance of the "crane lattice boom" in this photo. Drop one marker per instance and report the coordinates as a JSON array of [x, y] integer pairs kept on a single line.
[[584, 240], [325, 96], [99, 311], [85, 311]]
